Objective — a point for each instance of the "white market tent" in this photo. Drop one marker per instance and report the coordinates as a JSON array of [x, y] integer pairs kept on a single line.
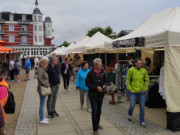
[[161, 30], [59, 51], [96, 43], [71, 47], [78, 48]]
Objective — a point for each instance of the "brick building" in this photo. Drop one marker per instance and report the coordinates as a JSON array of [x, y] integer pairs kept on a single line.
[[27, 33]]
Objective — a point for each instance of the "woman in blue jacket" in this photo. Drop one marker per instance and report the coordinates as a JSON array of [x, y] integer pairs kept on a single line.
[[80, 84]]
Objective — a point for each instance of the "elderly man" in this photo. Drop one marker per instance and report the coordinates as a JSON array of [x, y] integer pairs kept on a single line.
[[54, 81], [95, 81]]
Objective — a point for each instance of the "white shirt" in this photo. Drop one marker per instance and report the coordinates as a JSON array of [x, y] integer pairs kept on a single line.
[[36, 60], [11, 65]]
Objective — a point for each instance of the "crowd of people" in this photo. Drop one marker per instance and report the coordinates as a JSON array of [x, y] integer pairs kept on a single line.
[[89, 82]]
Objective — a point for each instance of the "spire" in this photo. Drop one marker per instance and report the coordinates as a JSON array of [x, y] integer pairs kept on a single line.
[[36, 3]]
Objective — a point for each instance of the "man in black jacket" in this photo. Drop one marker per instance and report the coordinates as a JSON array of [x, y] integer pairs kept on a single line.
[[54, 80], [95, 81]]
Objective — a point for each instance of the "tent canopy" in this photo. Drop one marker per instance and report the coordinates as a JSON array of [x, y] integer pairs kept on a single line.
[[7, 50], [59, 51], [96, 43], [78, 48], [159, 30]]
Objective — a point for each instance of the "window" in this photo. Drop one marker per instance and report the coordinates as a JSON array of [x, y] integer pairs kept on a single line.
[[48, 33], [40, 18], [11, 27], [24, 18], [24, 28], [11, 17], [40, 28], [11, 38], [24, 39], [40, 38], [0, 16], [35, 28], [0, 37], [0, 27], [35, 18], [35, 38]]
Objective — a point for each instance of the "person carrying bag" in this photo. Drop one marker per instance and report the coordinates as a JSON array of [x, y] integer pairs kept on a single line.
[[43, 88]]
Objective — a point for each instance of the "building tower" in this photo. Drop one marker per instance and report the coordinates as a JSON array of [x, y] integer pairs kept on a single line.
[[48, 31], [38, 30]]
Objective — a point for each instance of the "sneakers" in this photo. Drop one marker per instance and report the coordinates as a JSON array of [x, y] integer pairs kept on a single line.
[[50, 115], [89, 110], [44, 121], [129, 118], [143, 124], [55, 114]]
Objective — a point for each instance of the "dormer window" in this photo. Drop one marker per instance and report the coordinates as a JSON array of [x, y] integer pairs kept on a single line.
[[40, 18], [24, 18], [35, 18], [0, 16], [11, 17]]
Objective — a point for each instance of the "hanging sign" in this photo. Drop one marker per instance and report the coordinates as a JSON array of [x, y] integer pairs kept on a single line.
[[133, 42]]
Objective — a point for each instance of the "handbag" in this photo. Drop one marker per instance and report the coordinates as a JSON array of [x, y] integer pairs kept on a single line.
[[45, 91]]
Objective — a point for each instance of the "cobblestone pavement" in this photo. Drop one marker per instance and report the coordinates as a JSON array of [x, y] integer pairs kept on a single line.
[[117, 115], [27, 124]]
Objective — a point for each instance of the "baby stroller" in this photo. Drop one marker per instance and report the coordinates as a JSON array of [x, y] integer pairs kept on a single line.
[[35, 69]]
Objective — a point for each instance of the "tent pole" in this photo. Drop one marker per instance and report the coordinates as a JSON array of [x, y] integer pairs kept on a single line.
[[106, 64], [99, 55], [119, 75]]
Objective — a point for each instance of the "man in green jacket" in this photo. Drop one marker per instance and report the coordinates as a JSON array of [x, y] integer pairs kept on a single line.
[[137, 84]]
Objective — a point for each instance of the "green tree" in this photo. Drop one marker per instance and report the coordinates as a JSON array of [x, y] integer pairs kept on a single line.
[[107, 31], [66, 44], [91, 32]]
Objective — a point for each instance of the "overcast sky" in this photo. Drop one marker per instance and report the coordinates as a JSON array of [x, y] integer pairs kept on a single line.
[[73, 18]]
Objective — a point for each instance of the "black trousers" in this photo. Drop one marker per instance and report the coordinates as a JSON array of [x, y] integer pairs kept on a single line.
[[12, 74], [96, 112], [66, 81]]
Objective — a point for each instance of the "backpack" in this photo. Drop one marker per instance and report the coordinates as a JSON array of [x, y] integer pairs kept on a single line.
[[9, 108], [16, 66]]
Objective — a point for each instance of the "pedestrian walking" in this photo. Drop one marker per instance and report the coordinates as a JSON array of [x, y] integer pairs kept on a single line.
[[27, 66], [43, 80], [11, 68], [95, 81], [54, 81], [81, 85], [23, 60], [137, 84], [66, 71], [17, 67], [2, 121]]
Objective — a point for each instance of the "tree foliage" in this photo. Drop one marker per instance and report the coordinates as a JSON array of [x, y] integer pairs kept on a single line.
[[107, 31], [66, 44]]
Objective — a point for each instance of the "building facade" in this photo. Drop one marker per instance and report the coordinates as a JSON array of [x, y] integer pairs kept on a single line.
[[27, 33]]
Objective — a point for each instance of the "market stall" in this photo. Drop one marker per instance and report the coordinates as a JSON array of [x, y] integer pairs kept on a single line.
[[160, 31]]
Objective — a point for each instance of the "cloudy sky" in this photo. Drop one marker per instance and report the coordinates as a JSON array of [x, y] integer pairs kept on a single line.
[[73, 18]]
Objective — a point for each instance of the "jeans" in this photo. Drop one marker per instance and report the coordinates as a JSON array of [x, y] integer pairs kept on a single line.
[[142, 100], [66, 81], [96, 112], [12, 74], [41, 107], [82, 92], [51, 102]]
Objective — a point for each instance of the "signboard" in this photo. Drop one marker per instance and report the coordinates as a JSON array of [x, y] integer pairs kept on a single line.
[[90, 51], [133, 42]]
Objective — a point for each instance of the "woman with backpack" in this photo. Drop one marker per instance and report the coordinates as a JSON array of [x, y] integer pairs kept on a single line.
[[17, 67], [3, 94]]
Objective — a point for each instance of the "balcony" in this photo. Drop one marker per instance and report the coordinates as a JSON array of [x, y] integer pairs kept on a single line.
[[2, 32], [24, 22], [24, 32], [24, 44], [2, 21]]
